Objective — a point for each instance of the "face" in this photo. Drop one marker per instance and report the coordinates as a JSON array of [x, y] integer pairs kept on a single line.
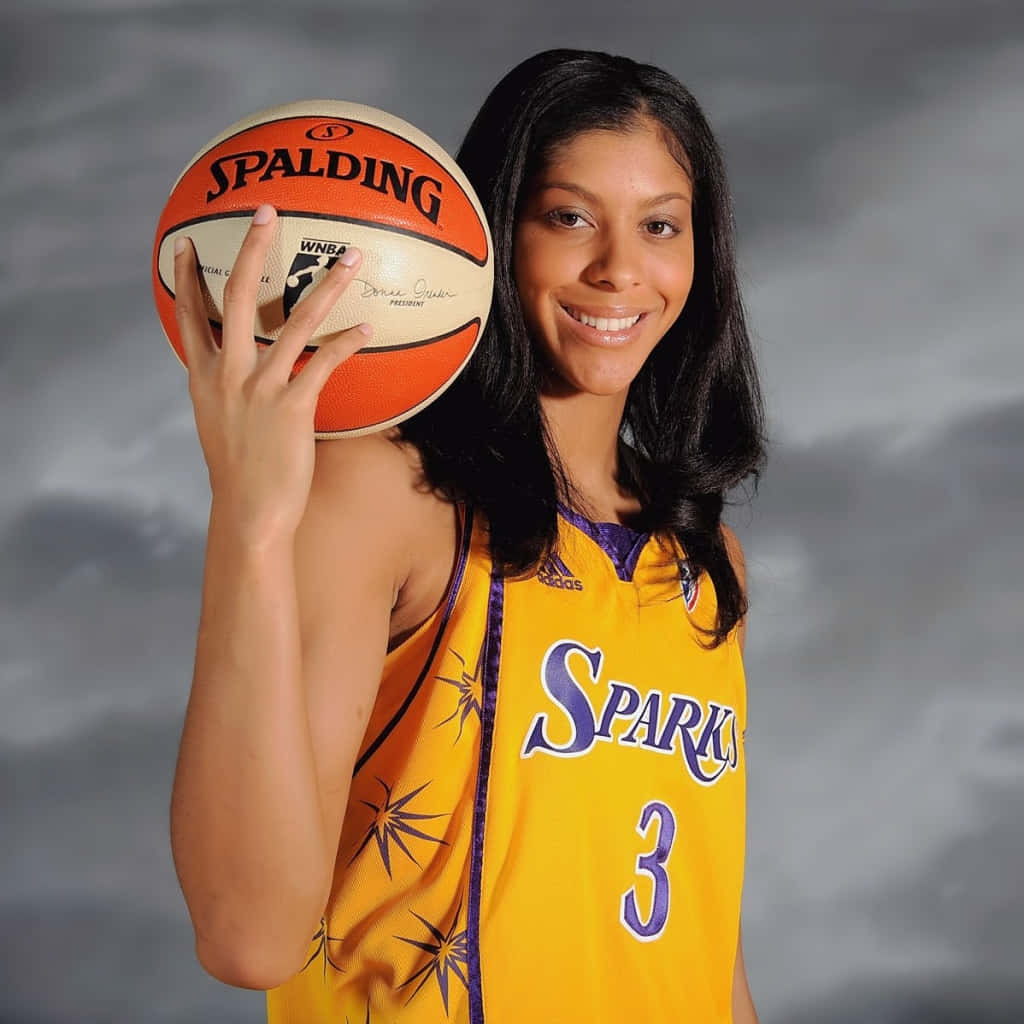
[[603, 257]]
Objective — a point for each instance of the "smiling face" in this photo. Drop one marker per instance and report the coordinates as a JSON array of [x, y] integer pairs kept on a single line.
[[603, 257]]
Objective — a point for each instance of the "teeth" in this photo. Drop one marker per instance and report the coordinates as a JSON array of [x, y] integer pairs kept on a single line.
[[603, 323]]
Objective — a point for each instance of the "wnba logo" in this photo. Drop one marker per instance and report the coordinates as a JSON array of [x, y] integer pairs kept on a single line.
[[689, 583], [315, 258]]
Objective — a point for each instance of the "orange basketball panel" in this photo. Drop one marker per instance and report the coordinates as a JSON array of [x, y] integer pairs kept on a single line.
[[375, 387]]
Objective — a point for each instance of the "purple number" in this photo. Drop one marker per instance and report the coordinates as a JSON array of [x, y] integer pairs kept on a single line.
[[654, 864]]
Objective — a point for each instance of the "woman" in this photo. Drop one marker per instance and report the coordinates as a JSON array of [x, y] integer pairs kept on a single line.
[[468, 700]]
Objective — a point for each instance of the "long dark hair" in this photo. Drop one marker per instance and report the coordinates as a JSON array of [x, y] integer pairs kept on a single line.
[[693, 422]]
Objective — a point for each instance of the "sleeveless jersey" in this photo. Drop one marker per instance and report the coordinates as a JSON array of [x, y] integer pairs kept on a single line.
[[546, 818]]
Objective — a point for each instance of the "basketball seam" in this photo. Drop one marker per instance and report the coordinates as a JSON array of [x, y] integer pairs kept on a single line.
[[408, 232], [383, 349]]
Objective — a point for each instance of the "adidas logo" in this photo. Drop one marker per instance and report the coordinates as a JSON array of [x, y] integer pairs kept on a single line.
[[555, 573]]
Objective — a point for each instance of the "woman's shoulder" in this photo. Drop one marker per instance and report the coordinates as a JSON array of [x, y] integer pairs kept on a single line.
[[377, 478], [372, 460], [370, 499]]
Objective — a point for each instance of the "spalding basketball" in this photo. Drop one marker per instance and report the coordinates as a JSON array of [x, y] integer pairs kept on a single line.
[[342, 174]]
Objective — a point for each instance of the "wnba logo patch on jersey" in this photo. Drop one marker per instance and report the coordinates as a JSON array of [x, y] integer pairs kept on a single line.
[[689, 582], [555, 573]]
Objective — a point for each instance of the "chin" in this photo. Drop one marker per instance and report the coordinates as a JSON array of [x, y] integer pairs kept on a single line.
[[609, 389], [576, 369], [603, 387], [608, 384]]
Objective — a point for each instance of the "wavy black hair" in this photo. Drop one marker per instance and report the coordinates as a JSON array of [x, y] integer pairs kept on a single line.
[[692, 427]]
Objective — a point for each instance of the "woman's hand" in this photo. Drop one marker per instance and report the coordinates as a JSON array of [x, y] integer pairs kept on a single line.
[[255, 421]]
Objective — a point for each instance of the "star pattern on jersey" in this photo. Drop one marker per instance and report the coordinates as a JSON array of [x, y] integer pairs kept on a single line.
[[322, 938], [392, 821], [469, 690], [449, 952]]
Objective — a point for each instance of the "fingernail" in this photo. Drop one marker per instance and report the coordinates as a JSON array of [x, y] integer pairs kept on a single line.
[[179, 245], [263, 214], [350, 257], [365, 329]]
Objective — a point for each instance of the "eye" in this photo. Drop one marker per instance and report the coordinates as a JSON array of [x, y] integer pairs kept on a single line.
[[662, 228], [565, 218]]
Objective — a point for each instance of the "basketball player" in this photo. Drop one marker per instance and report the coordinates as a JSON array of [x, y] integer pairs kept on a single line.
[[465, 735]]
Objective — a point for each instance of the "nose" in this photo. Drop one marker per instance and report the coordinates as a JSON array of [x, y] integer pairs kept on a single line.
[[616, 262]]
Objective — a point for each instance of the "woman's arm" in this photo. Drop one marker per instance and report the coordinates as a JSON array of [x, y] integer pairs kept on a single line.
[[291, 644], [303, 560]]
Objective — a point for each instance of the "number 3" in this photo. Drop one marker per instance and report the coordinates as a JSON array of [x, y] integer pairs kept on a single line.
[[654, 864]]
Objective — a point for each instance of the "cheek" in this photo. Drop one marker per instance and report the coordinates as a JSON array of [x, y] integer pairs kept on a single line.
[[676, 279], [539, 262], [523, 271], [532, 283]]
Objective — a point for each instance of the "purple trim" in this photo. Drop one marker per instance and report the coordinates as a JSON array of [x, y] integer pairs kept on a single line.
[[621, 544], [460, 568], [492, 663]]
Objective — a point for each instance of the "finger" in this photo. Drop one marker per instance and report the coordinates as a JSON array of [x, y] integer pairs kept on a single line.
[[310, 380], [239, 347], [309, 313], [190, 307]]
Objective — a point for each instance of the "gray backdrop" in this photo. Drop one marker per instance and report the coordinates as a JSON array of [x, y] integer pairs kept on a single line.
[[875, 152]]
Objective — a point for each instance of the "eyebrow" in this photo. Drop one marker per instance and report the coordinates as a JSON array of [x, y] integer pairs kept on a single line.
[[590, 197]]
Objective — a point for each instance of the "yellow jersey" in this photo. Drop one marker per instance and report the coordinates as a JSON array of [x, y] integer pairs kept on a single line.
[[546, 818]]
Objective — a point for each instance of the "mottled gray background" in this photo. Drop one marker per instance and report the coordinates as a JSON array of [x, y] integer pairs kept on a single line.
[[875, 151]]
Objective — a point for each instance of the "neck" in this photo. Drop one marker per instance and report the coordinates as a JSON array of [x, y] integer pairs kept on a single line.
[[585, 432]]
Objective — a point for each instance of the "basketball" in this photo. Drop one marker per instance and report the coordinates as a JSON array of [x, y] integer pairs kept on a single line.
[[342, 174]]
